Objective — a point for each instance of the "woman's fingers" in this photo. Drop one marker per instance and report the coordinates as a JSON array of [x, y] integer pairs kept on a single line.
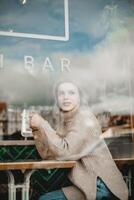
[[31, 114], [35, 120]]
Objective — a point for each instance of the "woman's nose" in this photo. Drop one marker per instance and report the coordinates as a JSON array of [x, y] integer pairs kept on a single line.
[[65, 96]]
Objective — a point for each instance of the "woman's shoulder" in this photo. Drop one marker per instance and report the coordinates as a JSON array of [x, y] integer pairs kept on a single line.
[[88, 116], [86, 113], [89, 119]]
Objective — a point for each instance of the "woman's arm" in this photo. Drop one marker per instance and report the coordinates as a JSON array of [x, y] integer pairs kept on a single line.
[[80, 140], [42, 145]]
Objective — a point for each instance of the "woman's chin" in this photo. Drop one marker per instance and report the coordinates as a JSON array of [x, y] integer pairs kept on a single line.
[[66, 109]]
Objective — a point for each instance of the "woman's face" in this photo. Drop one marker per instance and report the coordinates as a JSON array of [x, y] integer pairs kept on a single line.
[[68, 96]]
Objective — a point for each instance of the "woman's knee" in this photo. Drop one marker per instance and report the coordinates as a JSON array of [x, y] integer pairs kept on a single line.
[[46, 196], [58, 194], [43, 197]]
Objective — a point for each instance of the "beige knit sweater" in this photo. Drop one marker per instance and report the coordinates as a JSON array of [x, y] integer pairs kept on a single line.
[[77, 137]]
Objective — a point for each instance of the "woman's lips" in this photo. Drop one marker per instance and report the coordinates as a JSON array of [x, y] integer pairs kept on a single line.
[[67, 103]]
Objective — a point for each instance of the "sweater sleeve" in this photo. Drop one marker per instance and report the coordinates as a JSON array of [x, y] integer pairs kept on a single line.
[[42, 145], [80, 140]]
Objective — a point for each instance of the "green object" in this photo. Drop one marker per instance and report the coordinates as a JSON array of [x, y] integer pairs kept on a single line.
[[41, 181]]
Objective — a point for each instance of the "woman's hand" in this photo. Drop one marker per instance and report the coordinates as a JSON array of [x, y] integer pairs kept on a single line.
[[35, 121]]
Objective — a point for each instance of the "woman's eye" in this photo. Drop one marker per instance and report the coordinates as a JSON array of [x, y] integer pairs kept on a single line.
[[61, 93], [72, 92]]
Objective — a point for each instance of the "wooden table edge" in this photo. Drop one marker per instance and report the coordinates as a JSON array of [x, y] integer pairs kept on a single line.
[[36, 165]]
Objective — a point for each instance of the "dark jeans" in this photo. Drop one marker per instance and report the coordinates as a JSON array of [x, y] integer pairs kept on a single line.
[[103, 193]]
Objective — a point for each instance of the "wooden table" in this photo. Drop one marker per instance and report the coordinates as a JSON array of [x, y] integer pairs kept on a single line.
[[122, 155], [28, 169], [36, 165], [122, 161]]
